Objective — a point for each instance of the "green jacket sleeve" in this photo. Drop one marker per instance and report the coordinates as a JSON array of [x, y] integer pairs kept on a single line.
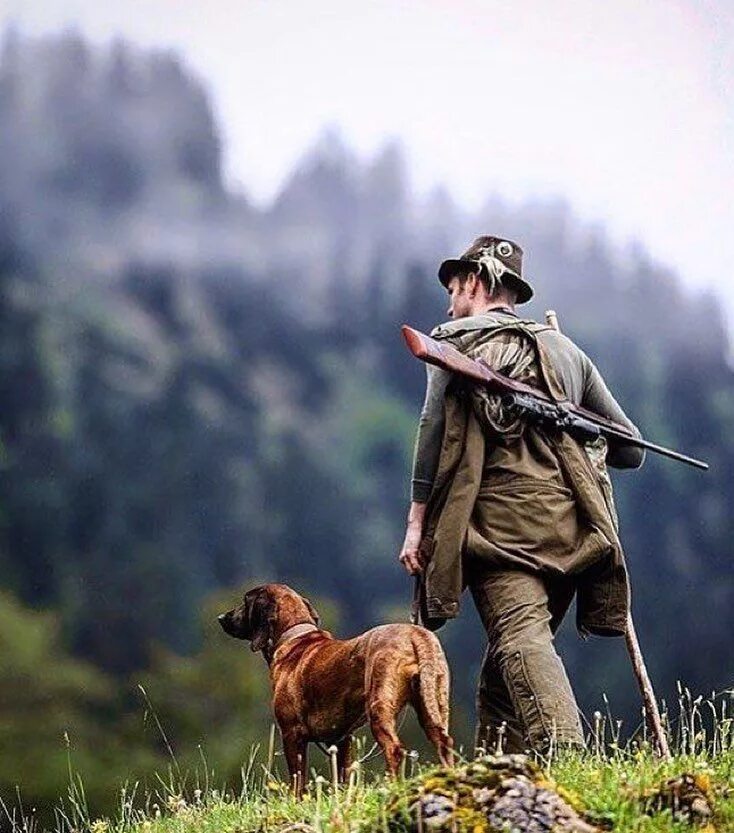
[[598, 398], [430, 434]]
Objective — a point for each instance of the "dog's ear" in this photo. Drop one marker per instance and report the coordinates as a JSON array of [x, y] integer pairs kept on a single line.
[[313, 612], [261, 620]]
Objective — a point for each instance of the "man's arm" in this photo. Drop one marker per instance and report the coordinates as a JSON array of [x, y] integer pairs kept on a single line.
[[410, 552], [598, 398], [426, 455], [429, 437]]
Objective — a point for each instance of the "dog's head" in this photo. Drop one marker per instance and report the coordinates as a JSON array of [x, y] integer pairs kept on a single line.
[[266, 613]]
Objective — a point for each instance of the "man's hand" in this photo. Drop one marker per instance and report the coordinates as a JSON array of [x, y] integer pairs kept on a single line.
[[410, 556]]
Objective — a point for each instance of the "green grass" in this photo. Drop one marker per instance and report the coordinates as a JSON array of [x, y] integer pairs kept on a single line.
[[610, 781], [610, 786]]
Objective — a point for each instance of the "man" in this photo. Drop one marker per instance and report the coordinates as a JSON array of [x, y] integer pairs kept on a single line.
[[522, 515]]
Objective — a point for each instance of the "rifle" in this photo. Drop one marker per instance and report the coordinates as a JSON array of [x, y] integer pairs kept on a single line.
[[580, 422]]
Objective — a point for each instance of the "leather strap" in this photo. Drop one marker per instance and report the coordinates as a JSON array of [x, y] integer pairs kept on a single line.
[[301, 629]]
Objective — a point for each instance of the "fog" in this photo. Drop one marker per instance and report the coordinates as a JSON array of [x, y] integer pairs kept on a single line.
[[625, 110]]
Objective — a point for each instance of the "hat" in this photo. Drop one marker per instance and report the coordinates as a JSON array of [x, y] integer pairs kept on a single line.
[[500, 258]]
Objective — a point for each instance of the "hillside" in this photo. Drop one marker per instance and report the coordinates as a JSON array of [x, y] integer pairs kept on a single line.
[[198, 394], [625, 790]]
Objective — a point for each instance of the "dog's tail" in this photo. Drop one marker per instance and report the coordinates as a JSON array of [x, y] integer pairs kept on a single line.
[[432, 680]]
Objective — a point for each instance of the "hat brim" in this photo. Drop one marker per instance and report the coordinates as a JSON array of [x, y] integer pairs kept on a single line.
[[450, 267]]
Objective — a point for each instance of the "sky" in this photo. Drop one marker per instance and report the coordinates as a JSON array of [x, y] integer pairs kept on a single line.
[[623, 108]]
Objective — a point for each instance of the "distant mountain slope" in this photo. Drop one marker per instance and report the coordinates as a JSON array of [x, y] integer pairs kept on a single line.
[[198, 393]]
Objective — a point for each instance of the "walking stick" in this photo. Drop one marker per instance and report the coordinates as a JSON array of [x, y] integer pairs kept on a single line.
[[650, 703], [415, 607], [648, 694]]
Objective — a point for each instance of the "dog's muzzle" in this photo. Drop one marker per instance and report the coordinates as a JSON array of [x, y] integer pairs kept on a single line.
[[225, 620]]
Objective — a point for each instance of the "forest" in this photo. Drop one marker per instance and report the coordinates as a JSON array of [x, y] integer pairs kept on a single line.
[[198, 394]]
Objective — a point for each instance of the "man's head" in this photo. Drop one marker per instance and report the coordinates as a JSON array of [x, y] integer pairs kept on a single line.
[[486, 275], [470, 293]]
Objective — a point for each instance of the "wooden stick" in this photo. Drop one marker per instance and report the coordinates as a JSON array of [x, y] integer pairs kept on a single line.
[[551, 319], [648, 693], [649, 700]]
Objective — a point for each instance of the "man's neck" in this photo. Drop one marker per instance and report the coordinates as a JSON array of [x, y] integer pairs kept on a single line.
[[504, 306]]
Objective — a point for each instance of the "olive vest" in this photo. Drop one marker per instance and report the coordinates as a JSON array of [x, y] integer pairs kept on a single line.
[[534, 499]]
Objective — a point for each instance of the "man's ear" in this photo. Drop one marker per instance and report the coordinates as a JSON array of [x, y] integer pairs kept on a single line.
[[262, 621], [472, 284], [313, 612]]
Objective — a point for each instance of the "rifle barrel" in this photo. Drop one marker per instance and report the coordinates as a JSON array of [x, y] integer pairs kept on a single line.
[[658, 449]]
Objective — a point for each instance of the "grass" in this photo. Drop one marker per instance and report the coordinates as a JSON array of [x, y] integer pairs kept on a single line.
[[610, 780]]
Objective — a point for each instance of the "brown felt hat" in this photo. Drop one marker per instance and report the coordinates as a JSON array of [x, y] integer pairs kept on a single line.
[[500, 258]]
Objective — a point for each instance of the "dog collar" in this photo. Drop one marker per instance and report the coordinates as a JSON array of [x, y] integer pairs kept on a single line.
[[294, 631]]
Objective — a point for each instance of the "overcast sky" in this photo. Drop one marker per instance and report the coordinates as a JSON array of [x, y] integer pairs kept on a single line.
[[623, 107]]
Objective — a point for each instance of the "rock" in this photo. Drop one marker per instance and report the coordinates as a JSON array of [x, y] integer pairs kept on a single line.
[[502, 794], [436, 810], [687, 797]]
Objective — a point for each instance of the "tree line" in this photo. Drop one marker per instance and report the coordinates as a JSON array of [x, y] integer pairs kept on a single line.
[[174, 427]]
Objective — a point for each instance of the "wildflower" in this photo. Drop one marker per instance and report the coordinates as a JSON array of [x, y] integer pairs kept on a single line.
[[177, 804]]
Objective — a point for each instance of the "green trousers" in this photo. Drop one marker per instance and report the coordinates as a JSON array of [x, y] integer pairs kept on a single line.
[[523, 683]]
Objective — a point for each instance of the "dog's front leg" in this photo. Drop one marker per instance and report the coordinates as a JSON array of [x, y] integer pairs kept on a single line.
[[295, 748], [344, 758]]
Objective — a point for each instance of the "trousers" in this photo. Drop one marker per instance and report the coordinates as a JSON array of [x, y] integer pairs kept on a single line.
[[522, 682]]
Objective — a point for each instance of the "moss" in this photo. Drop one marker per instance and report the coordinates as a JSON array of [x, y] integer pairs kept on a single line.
[[484, 796]]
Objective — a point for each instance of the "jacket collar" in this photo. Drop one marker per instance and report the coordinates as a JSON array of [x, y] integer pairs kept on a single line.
[[486, 320]]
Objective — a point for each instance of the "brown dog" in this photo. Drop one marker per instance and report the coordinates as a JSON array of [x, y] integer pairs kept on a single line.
[[325, 688]]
